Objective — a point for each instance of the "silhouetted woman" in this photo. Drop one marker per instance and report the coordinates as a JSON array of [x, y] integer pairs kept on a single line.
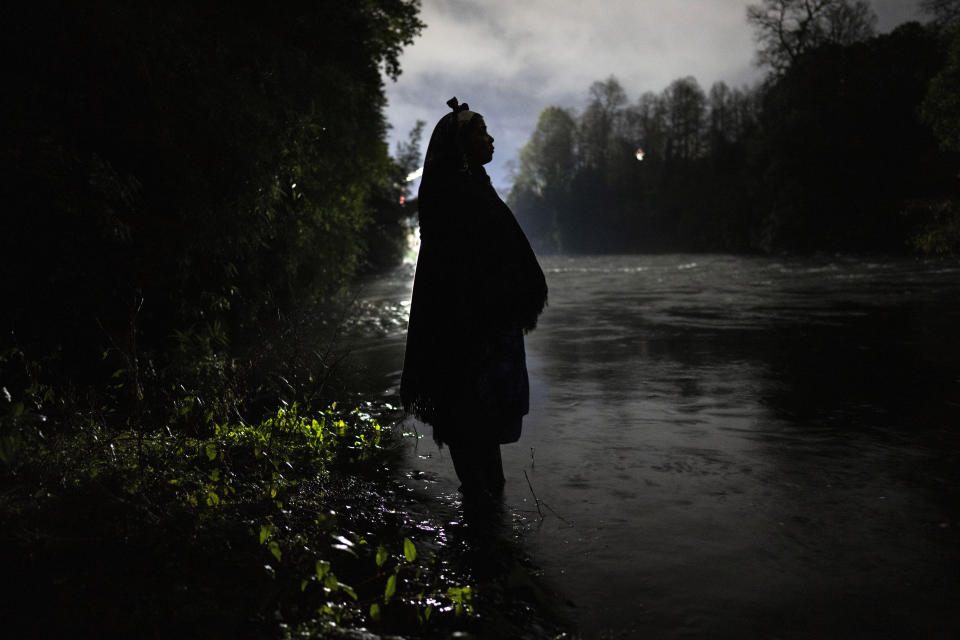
[[478, 288]]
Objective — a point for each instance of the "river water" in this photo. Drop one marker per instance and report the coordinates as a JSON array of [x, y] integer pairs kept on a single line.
[[728, 447]]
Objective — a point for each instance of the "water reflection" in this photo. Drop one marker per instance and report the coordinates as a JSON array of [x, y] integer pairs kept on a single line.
[[733, 446]]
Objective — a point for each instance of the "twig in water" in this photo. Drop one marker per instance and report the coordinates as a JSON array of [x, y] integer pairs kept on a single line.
[[532, 461], [534, 494], [538, 502], [554, 511]]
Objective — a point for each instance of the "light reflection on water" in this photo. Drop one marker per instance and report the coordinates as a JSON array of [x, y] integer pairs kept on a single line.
[[729, 446]]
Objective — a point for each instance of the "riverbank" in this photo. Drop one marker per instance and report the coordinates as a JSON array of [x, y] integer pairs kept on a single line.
[[297, 525]]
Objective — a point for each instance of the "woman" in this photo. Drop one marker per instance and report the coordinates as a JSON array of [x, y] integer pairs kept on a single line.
[[478, 288]]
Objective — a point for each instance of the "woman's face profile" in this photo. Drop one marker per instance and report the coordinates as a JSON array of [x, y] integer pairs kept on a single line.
[[478, 144]]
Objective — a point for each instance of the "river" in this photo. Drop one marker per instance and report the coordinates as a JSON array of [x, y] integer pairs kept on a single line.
[[726, 446]]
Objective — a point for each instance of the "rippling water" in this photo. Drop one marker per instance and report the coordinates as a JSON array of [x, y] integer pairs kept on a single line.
[[730, 446]]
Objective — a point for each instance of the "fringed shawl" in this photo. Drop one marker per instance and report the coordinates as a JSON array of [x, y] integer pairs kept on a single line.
[[477, 281]]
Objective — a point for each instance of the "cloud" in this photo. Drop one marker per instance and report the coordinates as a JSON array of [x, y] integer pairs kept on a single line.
[[551, 48], [511, 59]]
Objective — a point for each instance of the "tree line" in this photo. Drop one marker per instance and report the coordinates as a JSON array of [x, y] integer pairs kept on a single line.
[[180, 177], [850, 143]]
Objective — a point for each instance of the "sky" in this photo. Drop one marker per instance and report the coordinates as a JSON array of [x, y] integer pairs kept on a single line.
[[509, 60]]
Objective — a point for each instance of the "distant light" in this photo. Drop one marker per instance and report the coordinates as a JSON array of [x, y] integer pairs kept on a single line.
[[416, 174], [640, 154]]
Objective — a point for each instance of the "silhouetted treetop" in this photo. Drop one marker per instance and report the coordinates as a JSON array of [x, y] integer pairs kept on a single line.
[[785, 29]]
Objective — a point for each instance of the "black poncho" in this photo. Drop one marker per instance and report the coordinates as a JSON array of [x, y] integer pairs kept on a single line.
[[478, 288]]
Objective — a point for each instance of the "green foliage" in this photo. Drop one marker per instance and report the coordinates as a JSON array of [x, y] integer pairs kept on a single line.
[[542, 184], [409, 550], [381, 556], [279, 502], [198, 173], [939, 232], [941, 106], [462, 597], [391, 589]]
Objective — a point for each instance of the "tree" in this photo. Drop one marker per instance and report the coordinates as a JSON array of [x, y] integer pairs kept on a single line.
[[389, 209], [940, 234], [409, 156], [831, 127], [945, 13], [685, 107], [786, 29], [204, 170], [649, 123], [941, 107], [547, 165], [599, 122], [548, 160]]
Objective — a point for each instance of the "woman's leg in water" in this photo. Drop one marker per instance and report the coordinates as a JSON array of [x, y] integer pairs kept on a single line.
[[479, 468]]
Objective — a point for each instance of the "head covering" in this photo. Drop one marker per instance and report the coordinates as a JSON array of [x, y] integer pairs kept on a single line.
[[443, 151]]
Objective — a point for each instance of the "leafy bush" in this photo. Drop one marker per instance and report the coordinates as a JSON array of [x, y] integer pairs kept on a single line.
[[286, 514]]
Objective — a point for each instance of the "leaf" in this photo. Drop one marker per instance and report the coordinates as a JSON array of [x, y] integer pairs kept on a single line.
[[331, 582], [322, 568], [303, 585], [211, 451], [266, 530], [427, 612], [274, 547], [213, 499], [409, 550], [381, 556], [375, 611], [390, 589], [348, 590]]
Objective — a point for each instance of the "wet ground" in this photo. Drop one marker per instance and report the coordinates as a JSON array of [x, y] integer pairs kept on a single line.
[[727, 446]]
